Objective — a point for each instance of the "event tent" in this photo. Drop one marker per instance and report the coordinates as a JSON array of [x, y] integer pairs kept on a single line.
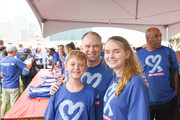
[[60, 15]]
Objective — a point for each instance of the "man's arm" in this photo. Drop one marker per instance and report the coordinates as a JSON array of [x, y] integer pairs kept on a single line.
[[28, 66], [176, 82], [61, 58]]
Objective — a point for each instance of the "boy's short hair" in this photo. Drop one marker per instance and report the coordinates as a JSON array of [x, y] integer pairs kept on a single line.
[[78, 54]]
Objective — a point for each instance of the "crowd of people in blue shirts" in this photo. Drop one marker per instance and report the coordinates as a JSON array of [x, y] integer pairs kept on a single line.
[[109, 83]]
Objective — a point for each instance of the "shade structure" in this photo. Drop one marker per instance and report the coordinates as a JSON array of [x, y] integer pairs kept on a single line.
[[61, 15]]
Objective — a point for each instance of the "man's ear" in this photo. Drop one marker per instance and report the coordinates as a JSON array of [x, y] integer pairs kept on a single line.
[[101, 46], [81, 48]]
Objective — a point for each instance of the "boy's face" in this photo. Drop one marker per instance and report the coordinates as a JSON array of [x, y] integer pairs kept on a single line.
[[76, 67]]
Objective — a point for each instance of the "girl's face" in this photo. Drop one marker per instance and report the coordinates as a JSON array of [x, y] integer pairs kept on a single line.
[[115, 56], [67, 50], [75, 67]]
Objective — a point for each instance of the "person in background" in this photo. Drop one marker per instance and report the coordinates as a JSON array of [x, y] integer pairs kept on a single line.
[[138, 48], [20, 50], [10, 67], [38, 56], [68, 48], [156, 68], [2, 49], [1, 42], [127, 97], [26, 79], [1, 76], [74, 92], [62, 54], [52, 58]]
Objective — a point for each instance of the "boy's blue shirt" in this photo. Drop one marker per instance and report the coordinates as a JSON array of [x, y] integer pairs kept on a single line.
[[67, 105]]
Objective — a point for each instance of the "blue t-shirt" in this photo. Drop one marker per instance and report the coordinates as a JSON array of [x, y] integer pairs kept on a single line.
[[102, 55], [1, 55], [10, 68], [63, 56], [156, 68], [19, 53], [99, 77], [53, 58], [65, 72], [65, 105], [131, 104], [38, 55]]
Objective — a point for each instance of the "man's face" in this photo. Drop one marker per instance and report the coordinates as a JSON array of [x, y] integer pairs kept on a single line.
[[51, 53], [154, 39], [92, 47], [61, 49]]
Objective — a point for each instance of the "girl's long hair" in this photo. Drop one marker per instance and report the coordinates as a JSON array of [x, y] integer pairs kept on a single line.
[[131, 67]]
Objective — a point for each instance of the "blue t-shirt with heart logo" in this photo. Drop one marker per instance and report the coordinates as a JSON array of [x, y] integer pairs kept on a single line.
[[156, 68], [99, 77], [10, 68], [65, 105], [131, 104]]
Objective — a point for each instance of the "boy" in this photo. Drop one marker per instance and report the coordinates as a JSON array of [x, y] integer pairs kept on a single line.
[[74, 100]]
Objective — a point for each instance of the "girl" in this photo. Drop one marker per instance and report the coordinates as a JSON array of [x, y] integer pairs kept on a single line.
[[127, 96]]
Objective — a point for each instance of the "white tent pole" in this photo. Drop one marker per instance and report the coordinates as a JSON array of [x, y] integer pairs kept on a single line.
[[43, 47], [166, 34], [166, 27]]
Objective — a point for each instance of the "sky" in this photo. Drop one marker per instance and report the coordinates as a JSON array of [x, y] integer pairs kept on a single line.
[[135, 38], [11, 8]]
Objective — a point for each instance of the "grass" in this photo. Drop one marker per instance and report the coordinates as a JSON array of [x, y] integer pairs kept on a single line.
[[9, 106]]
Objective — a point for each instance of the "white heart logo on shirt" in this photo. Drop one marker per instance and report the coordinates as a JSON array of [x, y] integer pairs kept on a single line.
[[155, 61], [71, 108], [110, 94], [91, 78]]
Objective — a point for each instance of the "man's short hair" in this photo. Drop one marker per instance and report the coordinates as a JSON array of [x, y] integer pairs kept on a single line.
[[92, 33], [61, 46], [52, 49]]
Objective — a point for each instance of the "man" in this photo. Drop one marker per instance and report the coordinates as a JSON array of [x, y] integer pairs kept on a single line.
[[61, 53], [98, 74], [38, 56], [52, 58], [27, 75], [20, 50], [2, 48], [10, 68], [156, 69]]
